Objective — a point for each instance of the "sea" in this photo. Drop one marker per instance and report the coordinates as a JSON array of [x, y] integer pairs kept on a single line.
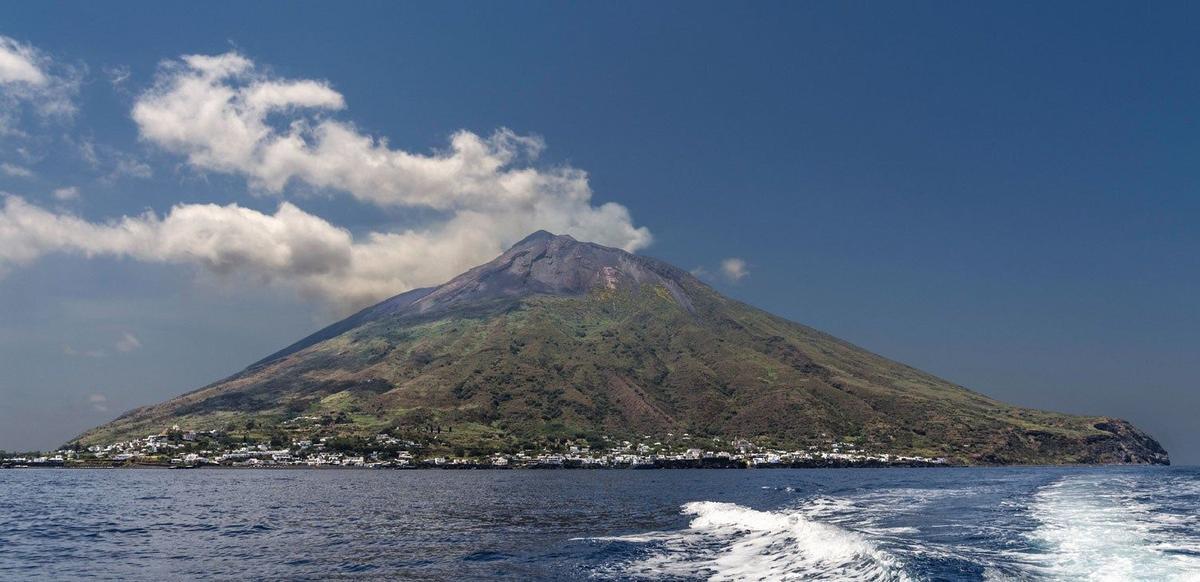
[[1030, 523]]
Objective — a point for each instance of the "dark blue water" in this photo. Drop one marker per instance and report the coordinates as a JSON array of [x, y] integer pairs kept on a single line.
[[850, 524]]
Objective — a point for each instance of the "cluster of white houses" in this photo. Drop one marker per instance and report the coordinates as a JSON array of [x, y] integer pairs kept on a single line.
[[178, 448]]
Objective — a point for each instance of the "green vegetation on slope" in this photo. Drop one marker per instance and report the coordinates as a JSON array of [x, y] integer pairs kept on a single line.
[[512, 373]]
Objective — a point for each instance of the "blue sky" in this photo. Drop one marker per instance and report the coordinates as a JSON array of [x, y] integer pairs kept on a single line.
[[1005, 196]]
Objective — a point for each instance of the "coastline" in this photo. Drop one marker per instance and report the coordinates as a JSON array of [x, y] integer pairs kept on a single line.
[[487, 467]]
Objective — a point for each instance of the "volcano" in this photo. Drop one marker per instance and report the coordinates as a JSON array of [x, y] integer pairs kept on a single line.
[[560, 339]]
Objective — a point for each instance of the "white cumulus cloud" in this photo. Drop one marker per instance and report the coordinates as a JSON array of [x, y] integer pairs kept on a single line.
[[734, 269], [290, 247], [224, 115], [19, 64]]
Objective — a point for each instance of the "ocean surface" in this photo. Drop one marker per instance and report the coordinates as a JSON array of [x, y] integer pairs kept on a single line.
[[1118, 523]]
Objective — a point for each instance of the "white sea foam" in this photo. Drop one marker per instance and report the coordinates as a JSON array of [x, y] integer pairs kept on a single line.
[[1094, 528], [726, 541], [1091, 526]]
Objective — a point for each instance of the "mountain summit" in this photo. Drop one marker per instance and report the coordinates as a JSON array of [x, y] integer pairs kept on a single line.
[[543, 263], [560, 339]]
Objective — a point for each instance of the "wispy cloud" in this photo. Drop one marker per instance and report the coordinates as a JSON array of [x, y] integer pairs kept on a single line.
[[128, 343], [124, 344], [116, 163], [117, 75], [70, 351], [126, 165], [30, 79], [734, 269], [15, 171], [66, 193], [99, 402]]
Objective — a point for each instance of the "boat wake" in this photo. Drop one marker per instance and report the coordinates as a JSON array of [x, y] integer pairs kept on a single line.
[[726, 541], [1118, 528], [1015, 526]]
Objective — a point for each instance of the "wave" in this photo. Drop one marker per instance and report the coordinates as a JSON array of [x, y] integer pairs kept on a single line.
[[726, 541], [1096, 528]]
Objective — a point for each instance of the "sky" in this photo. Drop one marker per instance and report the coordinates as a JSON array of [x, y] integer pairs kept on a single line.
[[1007, 196]]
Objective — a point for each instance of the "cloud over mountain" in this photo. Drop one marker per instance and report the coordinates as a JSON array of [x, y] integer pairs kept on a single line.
[[224, 115], [291, 248]]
